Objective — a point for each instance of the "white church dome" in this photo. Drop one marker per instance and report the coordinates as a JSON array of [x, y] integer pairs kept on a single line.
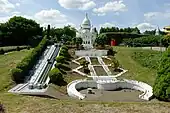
[[86, 23]]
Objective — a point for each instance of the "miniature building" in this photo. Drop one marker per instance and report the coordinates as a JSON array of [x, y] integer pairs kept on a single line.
[[87, 33]]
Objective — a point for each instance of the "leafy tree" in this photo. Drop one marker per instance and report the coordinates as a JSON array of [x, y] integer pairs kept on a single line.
[[101, 39], [166, 40], [20, 31]]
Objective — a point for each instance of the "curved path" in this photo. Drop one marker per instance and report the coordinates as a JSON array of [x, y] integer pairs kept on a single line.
[[109, 85]]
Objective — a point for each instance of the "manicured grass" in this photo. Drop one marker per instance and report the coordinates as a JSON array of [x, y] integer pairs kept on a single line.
[[135, 70], [100, 71], [94, 61], [7, 62]]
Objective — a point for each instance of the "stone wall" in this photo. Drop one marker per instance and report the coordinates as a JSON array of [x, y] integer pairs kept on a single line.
[[91, 52]]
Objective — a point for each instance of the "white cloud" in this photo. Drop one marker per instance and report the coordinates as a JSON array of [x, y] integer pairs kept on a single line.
[[156, 16], [79, 4], [53, 17], [6, 6], [17, 4], [107, 24], [145, 26], [115, 6]]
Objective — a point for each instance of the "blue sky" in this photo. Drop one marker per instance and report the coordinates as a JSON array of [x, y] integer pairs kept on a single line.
[[144, 14]]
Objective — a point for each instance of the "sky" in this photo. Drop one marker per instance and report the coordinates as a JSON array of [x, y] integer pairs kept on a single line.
[[144, 14]]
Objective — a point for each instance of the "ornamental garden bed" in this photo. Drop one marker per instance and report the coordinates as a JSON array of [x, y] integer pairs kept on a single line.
[[106, 61], [94, 61], [100, 71], [113, 70]]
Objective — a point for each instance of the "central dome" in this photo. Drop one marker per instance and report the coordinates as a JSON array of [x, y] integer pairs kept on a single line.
[[86, 23]]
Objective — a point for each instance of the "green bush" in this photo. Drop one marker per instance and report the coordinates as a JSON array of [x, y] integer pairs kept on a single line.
[[150, 40], [2, 51], [161, 88], [18, 48], [56, 76], [17, 75], [62, 59]]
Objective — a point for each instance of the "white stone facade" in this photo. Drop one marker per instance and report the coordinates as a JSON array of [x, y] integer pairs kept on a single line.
[[87, 33]]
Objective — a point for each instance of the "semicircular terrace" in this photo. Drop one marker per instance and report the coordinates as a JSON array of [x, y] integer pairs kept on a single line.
[[74, 86]]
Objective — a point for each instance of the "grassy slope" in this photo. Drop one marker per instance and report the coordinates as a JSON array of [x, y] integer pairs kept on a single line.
[[135, 70], [30, 104], [7, 62]]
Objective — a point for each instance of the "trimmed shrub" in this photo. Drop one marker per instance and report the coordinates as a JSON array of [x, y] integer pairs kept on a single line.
[[161, 88], [17, 75], [2, 51], [18, 48], [56, 76]]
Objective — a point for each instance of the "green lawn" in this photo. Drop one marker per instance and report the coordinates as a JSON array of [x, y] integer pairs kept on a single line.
[[7, 62], [135, 70], [32, 104]]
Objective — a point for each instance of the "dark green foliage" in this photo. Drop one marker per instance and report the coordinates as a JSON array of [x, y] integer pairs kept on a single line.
[[101, 40], [116, 29], [147, 58], [86, 70], [58, 34], [161, 88], [10, 49], [111, 52], [150, 40], [18, 48], [56, 76], [17, 75], [20, 31], [166, 40], [64, 52], [62, 59], [29, 61], [2, 51]]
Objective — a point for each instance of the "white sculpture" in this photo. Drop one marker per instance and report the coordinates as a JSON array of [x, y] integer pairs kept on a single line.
[[87, 33]]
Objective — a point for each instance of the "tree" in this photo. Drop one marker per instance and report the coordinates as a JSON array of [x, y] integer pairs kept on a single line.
[[166, 40], [56, 76], [101, 40], [20, 31]]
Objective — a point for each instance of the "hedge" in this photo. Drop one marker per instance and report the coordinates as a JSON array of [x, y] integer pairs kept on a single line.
[[22, 69], [10, 49], [161, 88]]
